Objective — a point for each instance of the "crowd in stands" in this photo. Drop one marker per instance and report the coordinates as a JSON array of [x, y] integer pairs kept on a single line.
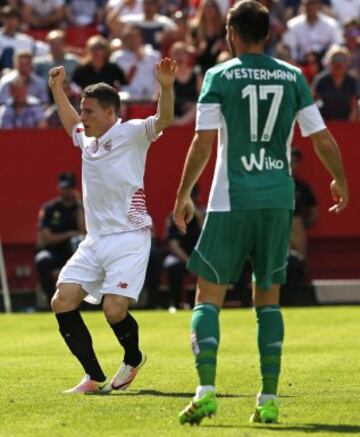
[[120, 41]]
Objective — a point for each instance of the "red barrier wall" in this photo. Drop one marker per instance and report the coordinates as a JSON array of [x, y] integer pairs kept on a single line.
[[32, 159]]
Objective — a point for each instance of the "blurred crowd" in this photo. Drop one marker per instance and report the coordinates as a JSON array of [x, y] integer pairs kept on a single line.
[[120, 41]]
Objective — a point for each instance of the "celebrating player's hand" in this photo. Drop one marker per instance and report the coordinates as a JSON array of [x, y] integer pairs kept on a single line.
[[340, 194], [183, 213], [165, 72], [56, 76]]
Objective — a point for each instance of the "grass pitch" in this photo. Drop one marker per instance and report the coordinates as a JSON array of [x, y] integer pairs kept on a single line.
[[319, 388]]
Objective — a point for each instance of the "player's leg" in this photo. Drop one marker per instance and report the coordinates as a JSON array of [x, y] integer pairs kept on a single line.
[[126, 331], [270, 336], [205, 339], [65, 304], [125, 257], [217, 258], [80, 276], [269, 262]]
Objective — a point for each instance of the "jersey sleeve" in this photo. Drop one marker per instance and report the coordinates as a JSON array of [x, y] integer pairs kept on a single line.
[[78, 136], [208, 114], [308, 115], [143, 131]]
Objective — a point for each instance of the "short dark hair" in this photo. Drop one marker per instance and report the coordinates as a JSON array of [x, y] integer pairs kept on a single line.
[[250, 19], [105, 94]]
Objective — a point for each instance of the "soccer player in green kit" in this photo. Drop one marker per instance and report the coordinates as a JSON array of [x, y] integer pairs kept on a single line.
[[252, 103]]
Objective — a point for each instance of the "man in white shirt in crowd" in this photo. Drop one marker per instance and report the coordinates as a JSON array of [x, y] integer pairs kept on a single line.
[[11, 40], [43, 14], [311, 31], [151, 23], [111, 262], [138, 62], [23, 68], [121, 8]]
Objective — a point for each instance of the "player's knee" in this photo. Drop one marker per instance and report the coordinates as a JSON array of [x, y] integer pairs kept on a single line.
[[61, 303], [115, 309]]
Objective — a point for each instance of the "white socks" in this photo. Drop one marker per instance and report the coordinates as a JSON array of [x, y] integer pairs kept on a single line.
[[202, 389], [262, 398]]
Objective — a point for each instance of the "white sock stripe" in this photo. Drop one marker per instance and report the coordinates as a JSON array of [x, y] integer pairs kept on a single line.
[[269, 310], [211, 340], [210, 306], [277, 344]]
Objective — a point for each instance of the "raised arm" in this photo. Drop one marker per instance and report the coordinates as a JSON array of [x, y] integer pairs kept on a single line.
[[165, 75], [68, 115], [329, 154]]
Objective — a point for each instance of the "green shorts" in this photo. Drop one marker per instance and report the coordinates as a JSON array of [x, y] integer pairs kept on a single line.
[[229, 238]]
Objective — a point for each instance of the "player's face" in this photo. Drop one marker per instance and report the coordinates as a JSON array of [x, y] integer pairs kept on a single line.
[[96, 120]]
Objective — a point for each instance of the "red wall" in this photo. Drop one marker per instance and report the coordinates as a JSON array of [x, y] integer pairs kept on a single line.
[[32, 159]]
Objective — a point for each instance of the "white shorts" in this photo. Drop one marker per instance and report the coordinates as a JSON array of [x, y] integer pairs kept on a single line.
[[110, 264]]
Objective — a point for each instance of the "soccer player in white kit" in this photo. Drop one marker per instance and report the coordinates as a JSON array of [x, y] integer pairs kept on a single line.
[[111, 262]]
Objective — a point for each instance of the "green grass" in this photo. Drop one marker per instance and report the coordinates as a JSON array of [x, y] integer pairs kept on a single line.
[[319, 388]]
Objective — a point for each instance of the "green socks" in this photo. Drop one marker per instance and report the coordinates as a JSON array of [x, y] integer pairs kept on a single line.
[[270, 339], [205, 341]]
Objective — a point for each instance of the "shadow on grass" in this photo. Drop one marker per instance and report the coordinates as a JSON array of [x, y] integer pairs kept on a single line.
[[166, 394], [309, 428]]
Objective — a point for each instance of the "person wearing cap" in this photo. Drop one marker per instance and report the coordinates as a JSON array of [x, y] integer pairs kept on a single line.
[[180, 247], [60, 227]]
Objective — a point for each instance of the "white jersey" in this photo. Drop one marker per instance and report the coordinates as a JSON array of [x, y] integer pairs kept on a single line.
[[112, 176]]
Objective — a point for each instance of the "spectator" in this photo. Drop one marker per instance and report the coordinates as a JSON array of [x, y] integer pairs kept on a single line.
[[305, 215], [153, 274], [223, 5], [97, 67], [187, 83], [208, 33], [180, 33], [311, 31], [352, 43], [138, 62], [60, 228], [335, 89], [152, 24], [121, 8], [11, 40], [43, 14], [306, 210], [277, 23], [37, 87], [310, 66], [82, 13], [283, 53], [345, 10], [21, 110], [57, 56], [180, 247]]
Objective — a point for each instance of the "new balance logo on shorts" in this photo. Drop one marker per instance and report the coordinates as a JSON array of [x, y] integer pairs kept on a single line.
[[122, 285]]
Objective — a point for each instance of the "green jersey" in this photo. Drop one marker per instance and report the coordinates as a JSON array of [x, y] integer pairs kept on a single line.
[[254, 101]]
